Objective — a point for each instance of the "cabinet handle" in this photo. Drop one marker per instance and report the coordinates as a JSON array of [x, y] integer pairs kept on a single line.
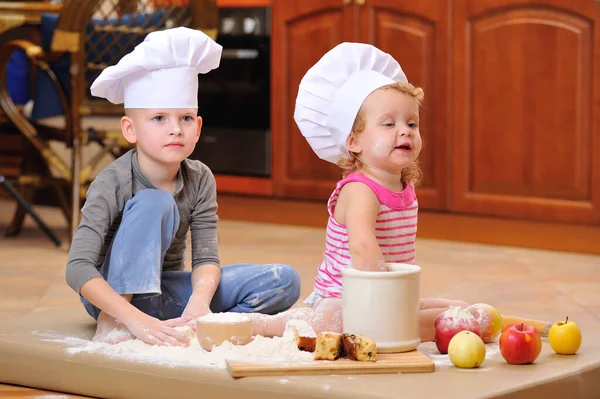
[[346, 2], [361, 2]]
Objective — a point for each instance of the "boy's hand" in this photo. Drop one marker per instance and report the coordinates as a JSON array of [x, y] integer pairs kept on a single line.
[[205, 280], [155, 332], [194, 309]]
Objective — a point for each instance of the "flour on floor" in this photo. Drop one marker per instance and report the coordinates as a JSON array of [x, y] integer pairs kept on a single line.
[[276, 350], [429, 349]]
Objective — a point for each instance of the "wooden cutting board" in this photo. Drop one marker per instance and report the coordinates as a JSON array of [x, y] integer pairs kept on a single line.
[[387, 363]]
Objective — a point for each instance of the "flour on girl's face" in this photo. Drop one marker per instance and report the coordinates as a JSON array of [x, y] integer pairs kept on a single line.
[[260, 350], [380, 148]]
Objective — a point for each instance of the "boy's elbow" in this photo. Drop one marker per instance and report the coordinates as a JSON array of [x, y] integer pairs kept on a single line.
[[77, 273], [69, 278]]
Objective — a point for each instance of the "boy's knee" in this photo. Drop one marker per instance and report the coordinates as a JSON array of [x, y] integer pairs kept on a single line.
[[156, 200], [290, 279], [291, 276], [150, 207]]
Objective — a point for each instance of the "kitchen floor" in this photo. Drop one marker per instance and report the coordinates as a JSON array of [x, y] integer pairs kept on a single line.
[[530, 283]]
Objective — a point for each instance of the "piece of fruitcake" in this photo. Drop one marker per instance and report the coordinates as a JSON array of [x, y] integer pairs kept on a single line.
[[328, 346], [305, 336], [359, 347], [307, 344]]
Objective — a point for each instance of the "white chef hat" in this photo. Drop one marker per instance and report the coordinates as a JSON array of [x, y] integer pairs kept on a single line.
[[333, 90], [161, 72]]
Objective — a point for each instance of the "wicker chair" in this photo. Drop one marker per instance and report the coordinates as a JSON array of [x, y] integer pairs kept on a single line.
[[84, 38]]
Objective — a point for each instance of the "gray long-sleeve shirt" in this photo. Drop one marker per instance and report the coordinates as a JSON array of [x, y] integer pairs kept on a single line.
[[196, 198]]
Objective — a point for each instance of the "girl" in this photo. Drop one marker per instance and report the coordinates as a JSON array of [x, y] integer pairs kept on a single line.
[[356, 109]]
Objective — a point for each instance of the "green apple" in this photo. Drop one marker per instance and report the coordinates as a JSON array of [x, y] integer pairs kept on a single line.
[[565, 337]]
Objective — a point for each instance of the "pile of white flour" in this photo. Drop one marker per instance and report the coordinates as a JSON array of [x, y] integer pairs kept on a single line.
[[261, 350], [276, 350]]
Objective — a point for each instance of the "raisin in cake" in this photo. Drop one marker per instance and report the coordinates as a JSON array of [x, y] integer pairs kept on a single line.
[[328, 346], [359, 347]]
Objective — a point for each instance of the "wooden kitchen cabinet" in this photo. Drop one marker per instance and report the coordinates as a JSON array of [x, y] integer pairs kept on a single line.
[[303, 31], [416, 34], [511, 87], [526, 125], [510, 122]]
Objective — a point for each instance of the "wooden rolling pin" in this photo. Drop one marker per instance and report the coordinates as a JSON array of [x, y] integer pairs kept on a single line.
[[541, 326]]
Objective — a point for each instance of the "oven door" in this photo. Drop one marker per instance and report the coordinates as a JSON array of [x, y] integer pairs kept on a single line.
[[234, 102]]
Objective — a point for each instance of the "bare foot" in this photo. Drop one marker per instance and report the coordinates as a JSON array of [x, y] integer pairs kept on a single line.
[[110, 330], [274, 325]]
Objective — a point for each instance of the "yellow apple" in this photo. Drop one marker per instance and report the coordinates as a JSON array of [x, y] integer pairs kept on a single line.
[[565, 337], [466, 350]]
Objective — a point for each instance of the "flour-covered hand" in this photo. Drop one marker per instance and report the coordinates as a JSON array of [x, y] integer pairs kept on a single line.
[[194, 309], [155, 332], [205, 280]]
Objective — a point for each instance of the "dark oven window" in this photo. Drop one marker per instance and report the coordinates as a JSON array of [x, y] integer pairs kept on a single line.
[[234, 99]]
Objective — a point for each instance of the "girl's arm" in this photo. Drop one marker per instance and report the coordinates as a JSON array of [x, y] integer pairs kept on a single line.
[[358, 207]]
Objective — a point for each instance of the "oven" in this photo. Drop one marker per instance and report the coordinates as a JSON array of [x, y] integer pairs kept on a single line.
[[234, 99]]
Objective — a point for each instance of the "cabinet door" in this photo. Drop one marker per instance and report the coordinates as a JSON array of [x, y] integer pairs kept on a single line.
[[526, 137], [303, 31], [416, 34]]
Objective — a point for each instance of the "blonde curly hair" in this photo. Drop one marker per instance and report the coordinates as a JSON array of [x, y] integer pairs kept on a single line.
[[351, 163]]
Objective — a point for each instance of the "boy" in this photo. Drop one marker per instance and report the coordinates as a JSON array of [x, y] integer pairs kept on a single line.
[[127, 256]]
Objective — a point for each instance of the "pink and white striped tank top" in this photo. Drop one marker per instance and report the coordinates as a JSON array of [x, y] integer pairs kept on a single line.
[[395, 230]]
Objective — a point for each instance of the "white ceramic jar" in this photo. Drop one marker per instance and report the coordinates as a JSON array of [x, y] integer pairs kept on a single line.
[[383, 305]]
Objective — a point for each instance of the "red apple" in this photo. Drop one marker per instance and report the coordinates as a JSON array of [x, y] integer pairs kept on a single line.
[[489, 319], [452, 321], [520, 344]]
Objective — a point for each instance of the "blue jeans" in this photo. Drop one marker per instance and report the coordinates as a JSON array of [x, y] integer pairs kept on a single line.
[[133, 265]]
